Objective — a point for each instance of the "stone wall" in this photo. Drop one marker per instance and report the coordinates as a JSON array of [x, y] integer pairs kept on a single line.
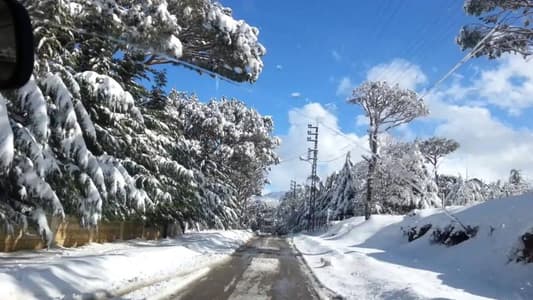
[[69, 233]]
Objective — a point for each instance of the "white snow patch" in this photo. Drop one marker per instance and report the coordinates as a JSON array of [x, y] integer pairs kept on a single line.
[[112, 269], [373, 260]]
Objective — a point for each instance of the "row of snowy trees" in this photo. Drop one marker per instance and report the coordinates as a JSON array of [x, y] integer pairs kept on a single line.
[[393, 177], [84, 137], [260, 213], [409, 185]]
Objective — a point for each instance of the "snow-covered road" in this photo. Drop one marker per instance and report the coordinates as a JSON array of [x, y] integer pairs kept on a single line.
[[267, 268], [135, 269]]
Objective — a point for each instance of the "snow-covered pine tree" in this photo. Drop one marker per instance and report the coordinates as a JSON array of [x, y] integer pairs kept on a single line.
[[291, 214], [245, 148], [386, 107], [434, 149], [507, 21], [227, 146], [75, 137], [402, 181], [201, 35], [261, 213], [516, 184], [342, 191], [465, 192]]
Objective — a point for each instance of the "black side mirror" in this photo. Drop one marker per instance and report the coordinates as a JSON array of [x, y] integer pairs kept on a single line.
[[16, 45]]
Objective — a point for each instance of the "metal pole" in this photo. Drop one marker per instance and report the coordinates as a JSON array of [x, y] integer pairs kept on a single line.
[[312, 155]]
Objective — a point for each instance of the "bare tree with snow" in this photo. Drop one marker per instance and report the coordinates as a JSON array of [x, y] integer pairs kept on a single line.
[[386, 107], [434, 149], [517, 185], [507, 24]]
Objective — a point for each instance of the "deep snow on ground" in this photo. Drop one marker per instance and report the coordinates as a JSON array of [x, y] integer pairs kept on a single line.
[[373, 260], [115, 269]]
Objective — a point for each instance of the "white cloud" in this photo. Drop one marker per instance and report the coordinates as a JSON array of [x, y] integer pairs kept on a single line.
[[331, 145], [460, 110], [330, 106], [336, 56], [509, 85], [296, 95], [399, 71], [345, 87], [489, 148]]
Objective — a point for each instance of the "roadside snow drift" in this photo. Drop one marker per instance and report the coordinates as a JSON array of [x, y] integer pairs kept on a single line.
[[112, 269], [374, 260]]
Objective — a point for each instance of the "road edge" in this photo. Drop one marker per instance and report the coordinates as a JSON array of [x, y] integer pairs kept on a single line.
[[323, 291], [184, 273]]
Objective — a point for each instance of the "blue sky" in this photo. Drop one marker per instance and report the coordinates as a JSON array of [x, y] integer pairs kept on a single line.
[[302, 37], [314, 47]]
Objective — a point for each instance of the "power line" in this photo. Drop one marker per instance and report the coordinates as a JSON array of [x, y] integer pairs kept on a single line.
[[478, 47], [292, 158], [336, 158]]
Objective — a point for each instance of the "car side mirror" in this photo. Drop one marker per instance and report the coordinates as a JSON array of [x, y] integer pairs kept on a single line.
[[16, 45]]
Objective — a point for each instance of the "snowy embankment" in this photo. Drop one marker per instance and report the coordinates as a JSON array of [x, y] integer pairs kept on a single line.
[[128, 269], [375, 260]]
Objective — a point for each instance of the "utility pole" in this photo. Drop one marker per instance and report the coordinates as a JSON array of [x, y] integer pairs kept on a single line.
[[312, 155], [293, 196], [293, 189]]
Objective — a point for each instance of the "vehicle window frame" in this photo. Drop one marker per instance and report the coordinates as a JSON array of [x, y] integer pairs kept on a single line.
[[24, 45]]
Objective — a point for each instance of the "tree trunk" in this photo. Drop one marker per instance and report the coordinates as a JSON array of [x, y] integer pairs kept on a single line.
[[439, 192], [244, 212], [371, 170]]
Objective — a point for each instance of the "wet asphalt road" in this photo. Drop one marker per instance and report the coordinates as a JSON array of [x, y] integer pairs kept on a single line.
[[266, 268]]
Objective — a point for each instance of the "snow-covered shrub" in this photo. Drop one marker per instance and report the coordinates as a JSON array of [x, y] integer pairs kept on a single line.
[[415, 232], [453, 234], [523, 252]]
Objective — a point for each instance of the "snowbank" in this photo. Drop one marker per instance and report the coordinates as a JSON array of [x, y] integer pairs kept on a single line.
[[112, 269], [374, 259]]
